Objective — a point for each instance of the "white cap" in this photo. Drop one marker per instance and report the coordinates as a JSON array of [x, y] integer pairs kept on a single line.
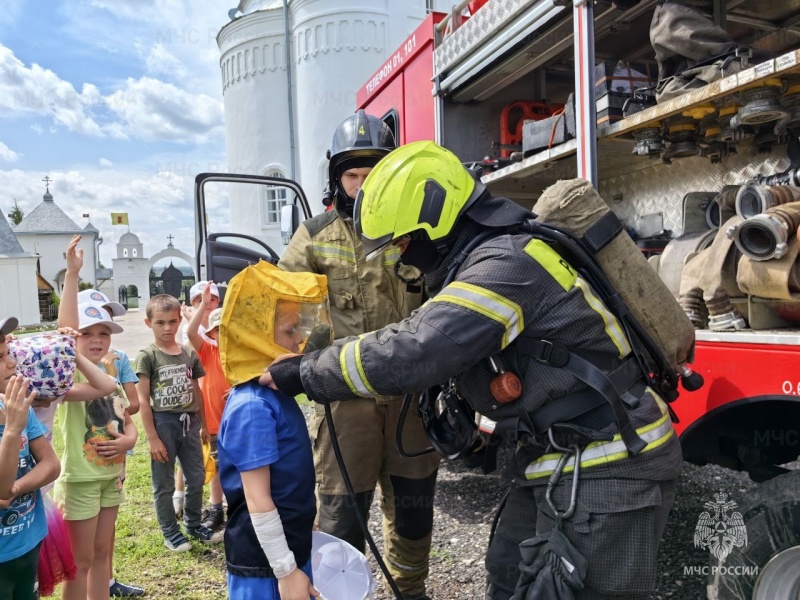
[[8, 325], [340, 571], [91, 296], [214, 319], [92, 314], [198, 288]]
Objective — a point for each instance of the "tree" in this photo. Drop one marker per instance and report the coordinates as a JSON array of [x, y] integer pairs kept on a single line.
[[84, 285], [16, 215]]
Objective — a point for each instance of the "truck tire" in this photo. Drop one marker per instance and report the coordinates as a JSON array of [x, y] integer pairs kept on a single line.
[[772, 517]]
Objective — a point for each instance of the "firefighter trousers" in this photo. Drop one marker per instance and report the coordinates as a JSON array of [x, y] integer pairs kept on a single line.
[[365, 429], [617, 527]]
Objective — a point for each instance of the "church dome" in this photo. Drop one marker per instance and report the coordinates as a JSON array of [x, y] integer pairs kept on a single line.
[[128, 238]]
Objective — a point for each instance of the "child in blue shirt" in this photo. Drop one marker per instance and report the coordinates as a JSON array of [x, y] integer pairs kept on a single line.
[[27, 462]]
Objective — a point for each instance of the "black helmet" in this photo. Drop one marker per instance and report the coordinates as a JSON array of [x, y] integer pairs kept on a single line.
[[361, 140]]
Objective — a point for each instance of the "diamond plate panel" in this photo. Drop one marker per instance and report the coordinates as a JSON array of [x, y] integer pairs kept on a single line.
[[491, 18], [660, 188]]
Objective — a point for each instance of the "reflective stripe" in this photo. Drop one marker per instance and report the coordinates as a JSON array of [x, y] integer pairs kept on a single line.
[[353, 370], [326, 250], [552, 262], [390, 256], [487, 303], [612, 326], [600, 453]]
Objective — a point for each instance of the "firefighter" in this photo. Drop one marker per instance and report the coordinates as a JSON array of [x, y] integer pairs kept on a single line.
[[513, 299], [366, 295]]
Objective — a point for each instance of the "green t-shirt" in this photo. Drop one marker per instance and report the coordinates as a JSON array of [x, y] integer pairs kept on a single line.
[[84, 423], [171, 378]]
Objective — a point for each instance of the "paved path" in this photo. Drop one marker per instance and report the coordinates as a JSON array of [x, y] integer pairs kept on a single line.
[[136, 334]]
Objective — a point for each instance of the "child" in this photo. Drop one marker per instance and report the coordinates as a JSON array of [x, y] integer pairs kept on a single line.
[[215, 390], [171, 406], [27, 462], [266, 465], [116, 363], [97, 432], [187, 312]]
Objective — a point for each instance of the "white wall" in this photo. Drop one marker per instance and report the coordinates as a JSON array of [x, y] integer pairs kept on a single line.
[[18, 293], [51, 248], [253, 67], [135, 271]]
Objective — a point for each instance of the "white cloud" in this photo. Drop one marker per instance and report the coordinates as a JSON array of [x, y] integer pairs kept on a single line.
[[7, 154], [34, 90], [37, 129], [104, 162], [153, 110], [160, 61]]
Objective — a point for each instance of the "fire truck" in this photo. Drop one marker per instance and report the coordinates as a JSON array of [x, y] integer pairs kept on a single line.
[[533, 91]]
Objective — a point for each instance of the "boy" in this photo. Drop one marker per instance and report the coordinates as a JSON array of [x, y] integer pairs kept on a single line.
[[266, 465], [215, 390], [27, 462], [187, 312], [171, 406], [116, 363]]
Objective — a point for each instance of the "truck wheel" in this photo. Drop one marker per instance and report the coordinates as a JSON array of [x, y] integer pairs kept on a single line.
[[765, 569]]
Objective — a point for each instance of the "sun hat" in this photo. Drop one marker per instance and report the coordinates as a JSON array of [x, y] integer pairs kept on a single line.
[[340, 571], [92, 314], [91, 296], [214, 319], [8, 325], [198, 288]]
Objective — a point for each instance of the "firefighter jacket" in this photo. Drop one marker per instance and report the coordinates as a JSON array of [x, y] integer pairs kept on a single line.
[[507, 285], [364, 295]]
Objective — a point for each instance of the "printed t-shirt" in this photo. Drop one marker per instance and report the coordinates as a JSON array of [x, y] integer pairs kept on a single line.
[[84, 424], [23, 524], [171, 375]]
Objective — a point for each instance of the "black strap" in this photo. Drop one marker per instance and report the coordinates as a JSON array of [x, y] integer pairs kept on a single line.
[[557, 355], [605, 229]]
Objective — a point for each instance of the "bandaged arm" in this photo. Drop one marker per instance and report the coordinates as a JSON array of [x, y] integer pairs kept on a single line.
[[266, 521]]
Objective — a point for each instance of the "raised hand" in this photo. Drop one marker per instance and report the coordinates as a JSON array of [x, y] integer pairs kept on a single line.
[[74, 256]]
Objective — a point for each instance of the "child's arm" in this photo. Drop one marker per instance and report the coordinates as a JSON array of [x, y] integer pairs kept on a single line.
[[193, 329], [98, 383], [158, 452], [68, 307], [121, 443], [293, 583], [15, 416], [47, 468], [133, 397]]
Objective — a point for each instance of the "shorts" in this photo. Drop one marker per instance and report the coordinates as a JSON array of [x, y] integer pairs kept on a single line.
[[257, 588], [81, 500], [19, 576]]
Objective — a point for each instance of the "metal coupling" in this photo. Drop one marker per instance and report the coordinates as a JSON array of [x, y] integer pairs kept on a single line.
[[729, 320], [762, 237], [753, 198]]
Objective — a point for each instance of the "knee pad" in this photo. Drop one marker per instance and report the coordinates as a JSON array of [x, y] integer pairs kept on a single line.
[[413, 506], [338, 517]]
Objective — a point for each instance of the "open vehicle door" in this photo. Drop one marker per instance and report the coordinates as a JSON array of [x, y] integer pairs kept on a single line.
[[222, 254]]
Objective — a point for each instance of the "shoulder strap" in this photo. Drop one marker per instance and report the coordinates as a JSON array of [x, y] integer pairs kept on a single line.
[[316, 224]]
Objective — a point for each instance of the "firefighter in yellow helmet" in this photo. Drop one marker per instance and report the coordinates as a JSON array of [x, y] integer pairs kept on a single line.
[[512, 305], [366, 293]]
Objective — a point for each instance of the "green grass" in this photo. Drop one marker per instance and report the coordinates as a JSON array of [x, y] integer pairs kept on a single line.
[[140, 556]]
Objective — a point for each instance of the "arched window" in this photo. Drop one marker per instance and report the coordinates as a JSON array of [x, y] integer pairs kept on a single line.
[[124, 253], [272, 199], [135, 252]]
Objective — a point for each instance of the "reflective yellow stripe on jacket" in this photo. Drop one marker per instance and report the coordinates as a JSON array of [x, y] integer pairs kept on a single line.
[[601, 453], [329, 250], [353, 370], [487, 303], [560, 270]]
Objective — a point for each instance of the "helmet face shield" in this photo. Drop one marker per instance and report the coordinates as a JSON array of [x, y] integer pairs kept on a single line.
[[302, 324]]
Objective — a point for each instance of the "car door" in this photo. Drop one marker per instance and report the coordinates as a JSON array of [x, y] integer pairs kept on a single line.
[[222, 253]]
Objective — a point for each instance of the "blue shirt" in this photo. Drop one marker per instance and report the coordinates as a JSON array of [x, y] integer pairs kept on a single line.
[[125, 372], [23, 524], [260, 428]]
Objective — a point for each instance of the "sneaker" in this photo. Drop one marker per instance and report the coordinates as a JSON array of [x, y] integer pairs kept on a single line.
[[205, 535], [177, 505], [177, 543], [123, 590], [213, 518]]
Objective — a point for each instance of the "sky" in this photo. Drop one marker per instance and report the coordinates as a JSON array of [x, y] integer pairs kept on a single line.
[[119, 102]]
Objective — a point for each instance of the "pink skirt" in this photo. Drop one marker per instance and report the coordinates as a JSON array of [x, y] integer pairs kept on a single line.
[[56, 563]]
